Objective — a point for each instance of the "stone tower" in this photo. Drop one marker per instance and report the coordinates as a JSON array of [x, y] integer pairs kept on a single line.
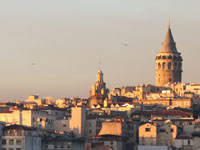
[[98, 91], [99, 86], [168, 62]]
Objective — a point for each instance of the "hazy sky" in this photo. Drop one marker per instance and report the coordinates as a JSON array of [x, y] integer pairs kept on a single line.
[[53, 47]]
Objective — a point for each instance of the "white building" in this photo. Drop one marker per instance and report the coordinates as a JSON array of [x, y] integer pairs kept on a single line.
[[62, 125], [78, 121], [93, 126], [18, 137], [152, 148], [64, 142], [2, 124], [184, 142], [75, 124], [32, 118]]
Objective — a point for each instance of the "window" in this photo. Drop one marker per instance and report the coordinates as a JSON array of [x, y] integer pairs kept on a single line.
[[169, 65], [3, 148], [175, 58], [11, 148], [111, 142], [18, 142], [163, 65], [188, 142], [175, 65], [64, 125], [11, 142], [162, 130], [4, 142], [34, 141], [90, 131], [61, 146], [55, 146], [147, 129], [12, 132], [172, 130], [159, 66], [169, 57], [33, 119], [19, 133], [18, 148], [179, 66]]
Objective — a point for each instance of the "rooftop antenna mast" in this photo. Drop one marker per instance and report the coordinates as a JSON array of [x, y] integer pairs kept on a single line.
[[100, 65]]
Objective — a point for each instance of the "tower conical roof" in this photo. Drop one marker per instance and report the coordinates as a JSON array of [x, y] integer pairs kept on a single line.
[[168, 45]]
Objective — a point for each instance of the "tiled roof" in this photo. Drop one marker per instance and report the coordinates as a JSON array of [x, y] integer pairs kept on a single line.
[[6, 111], [184, 137], [60, 137], [165, 112], [18, 127], [196, 134], [108, 137], [171, 112]]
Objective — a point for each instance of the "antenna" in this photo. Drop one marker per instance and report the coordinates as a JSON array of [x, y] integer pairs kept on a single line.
[[169, 22], [100, 65]]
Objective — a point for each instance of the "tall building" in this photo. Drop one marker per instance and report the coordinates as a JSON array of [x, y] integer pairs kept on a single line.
[[168, 62], [99, 86], [78, 121], [98, 91]]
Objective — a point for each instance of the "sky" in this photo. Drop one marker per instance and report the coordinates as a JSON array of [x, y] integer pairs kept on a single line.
[[54, 47]]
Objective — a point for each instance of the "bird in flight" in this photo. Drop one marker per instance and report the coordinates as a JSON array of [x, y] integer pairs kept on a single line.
[[124, 44]]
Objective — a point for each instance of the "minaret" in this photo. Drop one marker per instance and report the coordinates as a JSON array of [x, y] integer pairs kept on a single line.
[[168, 61]]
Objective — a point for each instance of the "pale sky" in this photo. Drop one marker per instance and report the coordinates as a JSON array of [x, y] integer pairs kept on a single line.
[[53, 47]]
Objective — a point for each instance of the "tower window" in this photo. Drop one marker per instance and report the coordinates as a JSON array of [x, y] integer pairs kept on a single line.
[[163, 65], [175, 65], [169, 65], [175, 58], [170, 79], [159, 66], [179, 66], [169, 57]]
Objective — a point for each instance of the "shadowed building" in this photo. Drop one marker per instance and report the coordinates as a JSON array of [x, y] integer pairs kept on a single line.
[[168, 62], [19, 137]]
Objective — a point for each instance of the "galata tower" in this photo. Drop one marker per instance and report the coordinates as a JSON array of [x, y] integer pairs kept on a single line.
[[168, 62]]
